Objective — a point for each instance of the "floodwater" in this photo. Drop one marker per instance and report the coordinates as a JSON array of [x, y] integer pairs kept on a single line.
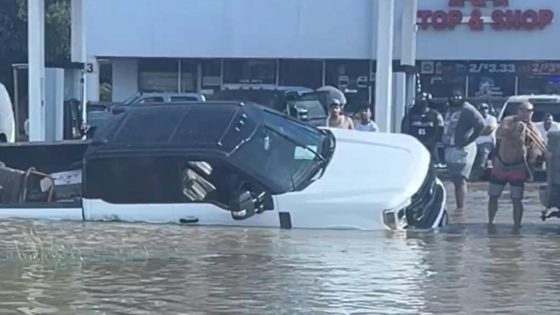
[[95, 268]]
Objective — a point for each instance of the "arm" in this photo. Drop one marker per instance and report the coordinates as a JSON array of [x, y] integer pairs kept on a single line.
[[404, 124], [350, 123], [509, 128], [438, 130], [477, 124]]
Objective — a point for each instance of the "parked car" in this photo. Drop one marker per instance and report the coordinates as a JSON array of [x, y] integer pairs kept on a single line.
[[241, 164], [157, 97], [542, 104], [301, 103], [7, 120]]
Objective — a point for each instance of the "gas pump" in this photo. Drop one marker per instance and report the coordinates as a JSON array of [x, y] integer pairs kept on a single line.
[[62, 114]]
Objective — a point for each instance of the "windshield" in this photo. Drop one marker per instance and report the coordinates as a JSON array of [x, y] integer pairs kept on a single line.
[[283, 152], [268, 98], [541, 108]]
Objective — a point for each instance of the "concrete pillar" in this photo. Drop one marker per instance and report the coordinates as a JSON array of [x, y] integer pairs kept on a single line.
[[399, 102], [79, 52], [92, 80], [77, 45], [408, 49], [384, 60], [36, 76]]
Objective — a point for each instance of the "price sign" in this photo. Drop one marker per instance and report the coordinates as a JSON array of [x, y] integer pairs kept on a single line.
[[492, 67]]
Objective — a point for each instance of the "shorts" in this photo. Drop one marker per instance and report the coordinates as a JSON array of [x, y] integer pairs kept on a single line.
[[484, 153], [502, 174], [460, 160]]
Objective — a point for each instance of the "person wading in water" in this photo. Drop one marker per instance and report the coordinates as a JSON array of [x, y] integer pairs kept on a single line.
[[463, 124], [336, 118], [518, 146], [425, 124]]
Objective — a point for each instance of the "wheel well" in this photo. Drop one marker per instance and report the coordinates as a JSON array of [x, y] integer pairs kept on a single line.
[[3, 138]]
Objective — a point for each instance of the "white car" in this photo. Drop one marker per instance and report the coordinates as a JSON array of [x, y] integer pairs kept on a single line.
[[232, 164], [543, 103], [7, 121]]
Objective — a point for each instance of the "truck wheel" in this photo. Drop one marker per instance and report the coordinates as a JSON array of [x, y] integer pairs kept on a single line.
[[3, 138]]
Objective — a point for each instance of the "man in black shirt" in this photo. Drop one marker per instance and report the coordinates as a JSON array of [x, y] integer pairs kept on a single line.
[[424, 123]]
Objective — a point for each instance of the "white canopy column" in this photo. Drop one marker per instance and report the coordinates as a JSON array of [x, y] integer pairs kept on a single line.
[[405, 82], [384, 60], [79, 51], [36, 75]]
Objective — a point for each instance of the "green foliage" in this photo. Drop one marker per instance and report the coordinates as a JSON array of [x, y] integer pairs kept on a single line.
[[57, 28], [13, 34]]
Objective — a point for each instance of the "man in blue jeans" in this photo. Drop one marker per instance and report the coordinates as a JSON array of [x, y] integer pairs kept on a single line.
[[463, 124]]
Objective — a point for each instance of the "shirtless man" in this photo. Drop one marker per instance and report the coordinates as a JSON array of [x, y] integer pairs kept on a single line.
[[517, 147], [336, 118]]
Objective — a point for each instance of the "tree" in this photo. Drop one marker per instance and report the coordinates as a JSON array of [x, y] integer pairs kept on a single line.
[[57, 28], [13, 34]]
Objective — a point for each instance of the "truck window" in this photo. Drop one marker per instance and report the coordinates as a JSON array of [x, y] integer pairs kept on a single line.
[[184, 99], [151, 99], [165, 180]]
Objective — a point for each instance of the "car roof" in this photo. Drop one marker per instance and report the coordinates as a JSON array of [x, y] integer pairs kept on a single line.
[[526, 97], [285, 88], [194, 126], [168, 93]]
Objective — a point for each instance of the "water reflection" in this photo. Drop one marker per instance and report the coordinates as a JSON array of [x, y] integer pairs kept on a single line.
[[72, 268]]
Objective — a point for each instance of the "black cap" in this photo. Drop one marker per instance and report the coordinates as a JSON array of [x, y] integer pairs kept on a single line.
[[335, 102]]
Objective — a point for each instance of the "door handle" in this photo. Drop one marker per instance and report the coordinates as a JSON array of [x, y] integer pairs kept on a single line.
[[188, 220]]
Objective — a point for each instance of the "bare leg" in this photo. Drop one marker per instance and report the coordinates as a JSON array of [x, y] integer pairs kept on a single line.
[[460, 192], [492, 209], [517, 212]]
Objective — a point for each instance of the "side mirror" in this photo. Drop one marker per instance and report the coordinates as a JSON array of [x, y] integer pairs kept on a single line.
[[117, 110], [243, 206], [90, 132]]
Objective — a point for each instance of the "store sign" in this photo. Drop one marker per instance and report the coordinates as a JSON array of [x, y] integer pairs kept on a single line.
[[489, 67], [497, 15], [540, 68]]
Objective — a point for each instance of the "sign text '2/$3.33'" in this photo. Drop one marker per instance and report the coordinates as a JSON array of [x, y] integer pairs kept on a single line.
[[497, 15]]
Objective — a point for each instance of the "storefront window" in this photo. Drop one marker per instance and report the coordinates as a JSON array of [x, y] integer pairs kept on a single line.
[[255, 71], [352, 77], [189, 76], [105, 80], [158, 75], [441, 85], [491, 85], [306, 73], [211, 76], [534, 84]]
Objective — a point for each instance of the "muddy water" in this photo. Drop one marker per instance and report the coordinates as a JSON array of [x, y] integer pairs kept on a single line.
[[465, 268]]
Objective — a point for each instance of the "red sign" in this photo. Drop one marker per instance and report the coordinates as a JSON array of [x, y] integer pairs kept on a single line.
[[499, 18]]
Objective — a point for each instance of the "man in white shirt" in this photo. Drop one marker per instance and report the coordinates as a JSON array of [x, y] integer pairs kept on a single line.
[[485, 144], [365, 123], [547, 125]]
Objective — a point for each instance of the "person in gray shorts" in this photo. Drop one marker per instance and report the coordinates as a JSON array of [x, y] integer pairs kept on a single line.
[[463, 124]]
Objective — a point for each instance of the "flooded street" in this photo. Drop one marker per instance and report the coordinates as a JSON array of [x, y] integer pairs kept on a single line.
[[73, 268]]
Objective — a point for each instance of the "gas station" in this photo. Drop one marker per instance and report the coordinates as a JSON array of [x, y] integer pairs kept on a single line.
[[49, 86]]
